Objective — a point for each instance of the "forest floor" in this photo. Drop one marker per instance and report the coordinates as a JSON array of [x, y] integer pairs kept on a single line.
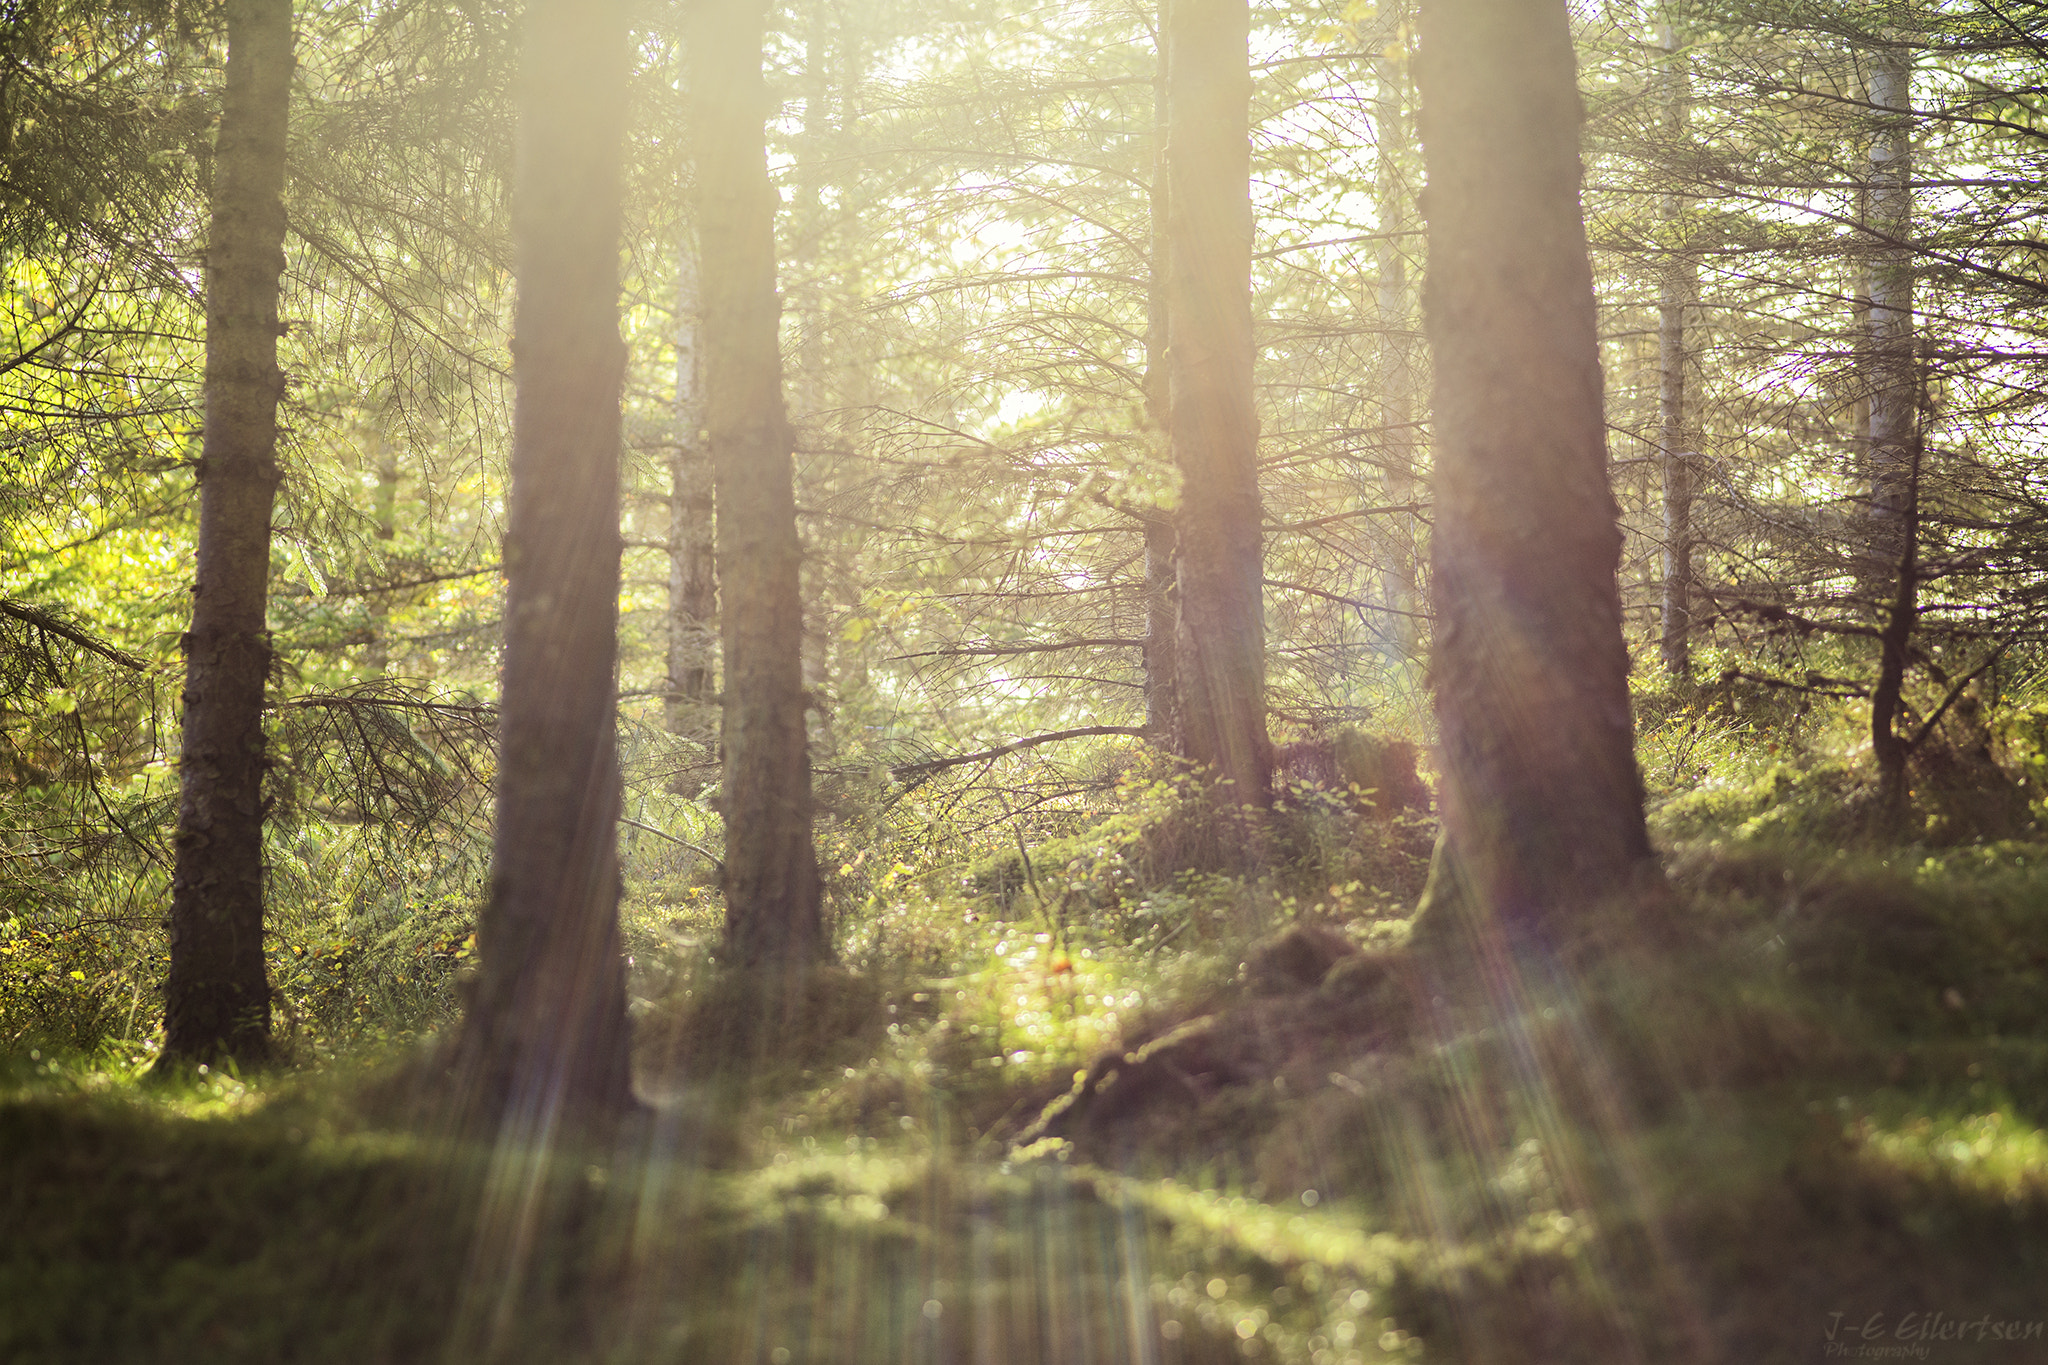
[[1811, 1128]]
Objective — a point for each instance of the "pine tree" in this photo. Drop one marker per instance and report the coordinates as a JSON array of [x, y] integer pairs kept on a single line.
[[217, 995], [546, 1030], [772, 890], [1541, 801], [1211, 423]]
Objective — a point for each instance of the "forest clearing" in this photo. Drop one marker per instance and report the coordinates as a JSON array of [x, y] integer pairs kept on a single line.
[[1154, 683]]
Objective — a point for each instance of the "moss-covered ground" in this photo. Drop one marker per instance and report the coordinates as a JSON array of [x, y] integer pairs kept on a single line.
[[1023, 1127]]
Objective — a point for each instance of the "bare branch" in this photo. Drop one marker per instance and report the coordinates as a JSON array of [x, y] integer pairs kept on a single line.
[[1953, 693], [1354, 602], [697, 849], [912, 772], [1003, 651]]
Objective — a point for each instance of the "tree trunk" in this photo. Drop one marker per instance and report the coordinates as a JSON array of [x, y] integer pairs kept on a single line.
[[1677, 292], [1399, 372], [692, 581], [547, 1024], [1541, 801], [1214, 431], [1893, 389], [771, 873], [1891, 386], [1162, 649], [1887, 700], [217, 998]]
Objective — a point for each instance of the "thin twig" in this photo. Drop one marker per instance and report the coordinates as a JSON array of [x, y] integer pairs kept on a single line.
[[1004, 651], [432, 707], [1352, 602], [697, 849], [1953, 693]]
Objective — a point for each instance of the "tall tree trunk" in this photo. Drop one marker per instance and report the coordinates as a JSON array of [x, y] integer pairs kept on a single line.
[[1214, 430], [692, 580], [1892, 384], [1895, 638], [1399, 373], [547, 1024], [217, 998], [1677, 293], [771, 873], [1541, 801], [1162, 648]]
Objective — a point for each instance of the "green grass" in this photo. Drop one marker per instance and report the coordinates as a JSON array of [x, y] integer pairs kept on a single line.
[[1826, 1107]]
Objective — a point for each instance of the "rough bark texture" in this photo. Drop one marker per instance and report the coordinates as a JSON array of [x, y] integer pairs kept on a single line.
[[1677, 293], [547, 1032], [692, 579], [1541, 800], [1677, 458], [1893, 390], [1895, 641], [771, 872], [217, 999], [1213, 429]]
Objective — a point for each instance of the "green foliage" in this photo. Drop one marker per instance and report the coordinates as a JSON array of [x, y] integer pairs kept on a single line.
[[67, 991], [1834, 1081], [99, 127], [1818, 806], [1830, 1088]]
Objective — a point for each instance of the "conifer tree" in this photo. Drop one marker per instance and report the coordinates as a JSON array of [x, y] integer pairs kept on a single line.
[[546, 1031], [217, 995], [1892, 387], [1541, 802], [772, 889], [1211, 423], [1677, 299]]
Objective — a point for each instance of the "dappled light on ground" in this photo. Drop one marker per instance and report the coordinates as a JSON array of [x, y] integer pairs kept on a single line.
[[1692, 1161]]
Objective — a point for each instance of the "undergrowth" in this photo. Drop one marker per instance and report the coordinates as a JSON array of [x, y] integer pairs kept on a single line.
[[1064, 1103]]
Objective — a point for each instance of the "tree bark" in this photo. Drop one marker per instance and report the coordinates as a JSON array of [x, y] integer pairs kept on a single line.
[[772, 891], [546, 1033], [1541, 800], [1893, 388], [1677, 293], [1889, 357], [1895, 639], [1213, 428], [217, 997]]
